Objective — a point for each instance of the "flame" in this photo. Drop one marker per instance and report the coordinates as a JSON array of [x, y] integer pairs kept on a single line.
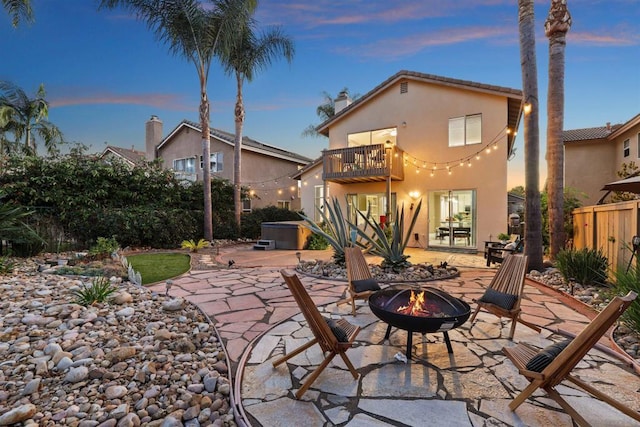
[[416, 306]]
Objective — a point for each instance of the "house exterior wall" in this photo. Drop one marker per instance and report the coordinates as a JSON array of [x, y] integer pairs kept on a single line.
[[633, 135], [268, 176], [588, 165], [421, 116]]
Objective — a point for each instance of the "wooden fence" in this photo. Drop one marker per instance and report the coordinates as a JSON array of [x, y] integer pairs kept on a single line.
[[608, 227]]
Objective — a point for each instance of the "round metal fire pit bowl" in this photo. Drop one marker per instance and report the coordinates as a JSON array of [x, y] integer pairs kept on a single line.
[[447, 312]]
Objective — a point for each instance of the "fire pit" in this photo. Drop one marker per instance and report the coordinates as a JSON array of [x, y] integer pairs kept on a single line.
[[423, 310]]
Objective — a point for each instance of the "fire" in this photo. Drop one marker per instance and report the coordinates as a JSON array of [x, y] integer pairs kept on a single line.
[[416, 306]]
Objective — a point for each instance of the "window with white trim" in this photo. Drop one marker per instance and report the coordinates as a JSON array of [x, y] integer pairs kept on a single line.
[[284, 204], [465, 130], [638, 145], [216, 162], [626, 148], [246, 205], [318, 204], [187, 165]]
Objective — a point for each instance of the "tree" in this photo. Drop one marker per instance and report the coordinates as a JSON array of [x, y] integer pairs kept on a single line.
[[556, 27], [22, 116], [198, 34], [533, 218], [326, 110], [19, 9], [627, 170], [246, 56]]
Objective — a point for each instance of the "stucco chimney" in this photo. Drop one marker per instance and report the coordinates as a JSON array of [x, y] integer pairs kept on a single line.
[[342, 101], [153, 136], [609, 126]]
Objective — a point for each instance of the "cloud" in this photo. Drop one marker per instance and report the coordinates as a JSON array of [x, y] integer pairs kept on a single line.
[[165, 101], [622, 38], [395, 48]]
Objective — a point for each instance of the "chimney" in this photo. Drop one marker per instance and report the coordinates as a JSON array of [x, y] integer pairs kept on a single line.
[[341, 102], [153, 136], [609, 126]]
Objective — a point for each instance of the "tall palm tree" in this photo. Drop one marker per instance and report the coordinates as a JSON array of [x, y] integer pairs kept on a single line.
[[18, 9], [197, 33], [533, 217], [556, 27], [249, 54], [22, 116]]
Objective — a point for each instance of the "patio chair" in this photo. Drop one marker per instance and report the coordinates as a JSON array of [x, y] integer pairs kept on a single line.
[[502, 297], [333, 336], [498, 253], [361, 282], [547, 368]]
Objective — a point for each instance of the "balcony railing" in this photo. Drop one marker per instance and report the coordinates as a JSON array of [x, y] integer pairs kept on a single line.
[[365, 163]]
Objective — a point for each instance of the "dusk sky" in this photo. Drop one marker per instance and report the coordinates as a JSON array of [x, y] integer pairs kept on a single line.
[[105, 74]]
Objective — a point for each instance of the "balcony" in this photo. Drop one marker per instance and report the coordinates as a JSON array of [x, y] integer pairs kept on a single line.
[[365, 163]]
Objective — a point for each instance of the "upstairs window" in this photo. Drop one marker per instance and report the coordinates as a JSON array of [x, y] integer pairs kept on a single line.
[[187, 165], [465, 130], [639, 145], [216, 162], [625, 148]]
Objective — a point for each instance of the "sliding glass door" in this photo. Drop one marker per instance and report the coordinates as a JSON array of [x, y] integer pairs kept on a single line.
[[452, 218]]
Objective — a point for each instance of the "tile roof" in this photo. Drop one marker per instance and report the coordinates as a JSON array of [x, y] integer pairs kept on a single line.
[[588, 133], [246, 142], [128, 154], [428, 78]]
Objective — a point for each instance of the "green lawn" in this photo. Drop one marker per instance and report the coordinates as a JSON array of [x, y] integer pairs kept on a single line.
[[160, 266]]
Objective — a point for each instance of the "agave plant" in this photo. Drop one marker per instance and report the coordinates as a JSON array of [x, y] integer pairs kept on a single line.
[[335, 228], [99, 291], [391, 249]]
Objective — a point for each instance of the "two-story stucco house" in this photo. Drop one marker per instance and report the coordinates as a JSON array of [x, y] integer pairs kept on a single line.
[[592, 156], [421, 137], [266, 169]]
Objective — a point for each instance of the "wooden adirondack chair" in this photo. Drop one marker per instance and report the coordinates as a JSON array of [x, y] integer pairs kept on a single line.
[[333, 339], [502, 297], [560, 367], [361, 282]]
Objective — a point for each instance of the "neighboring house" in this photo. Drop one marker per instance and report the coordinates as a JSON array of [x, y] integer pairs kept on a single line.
[[592, 156], [419, 136], [131, 156], [266, 169]]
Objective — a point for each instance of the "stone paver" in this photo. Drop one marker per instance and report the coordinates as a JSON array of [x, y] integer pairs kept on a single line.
[[259, 321]]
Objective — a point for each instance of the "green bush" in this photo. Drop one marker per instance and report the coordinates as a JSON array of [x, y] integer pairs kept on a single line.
[[317, 242], [104, 247], [99, 291], [625, 281], [585, 266]]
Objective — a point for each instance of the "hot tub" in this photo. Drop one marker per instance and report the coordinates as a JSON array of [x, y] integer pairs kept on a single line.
[[286, 234]]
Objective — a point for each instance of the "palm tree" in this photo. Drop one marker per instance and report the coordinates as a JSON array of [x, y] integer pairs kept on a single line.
[[198, 33], [533, 217], [325, 111], [18, 9], [22, 116], [556, 27], [249, 54]]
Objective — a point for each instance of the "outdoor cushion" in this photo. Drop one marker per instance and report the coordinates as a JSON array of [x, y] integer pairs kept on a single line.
[[511, 245], [341, 334], [500, 299], [546, 356], [365, 285]]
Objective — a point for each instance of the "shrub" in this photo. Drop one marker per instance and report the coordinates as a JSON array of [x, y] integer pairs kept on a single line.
[[99, 291], [194, 246], [104, 247], [317, 242], [625, 281], [585, 266], [6, 265]]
